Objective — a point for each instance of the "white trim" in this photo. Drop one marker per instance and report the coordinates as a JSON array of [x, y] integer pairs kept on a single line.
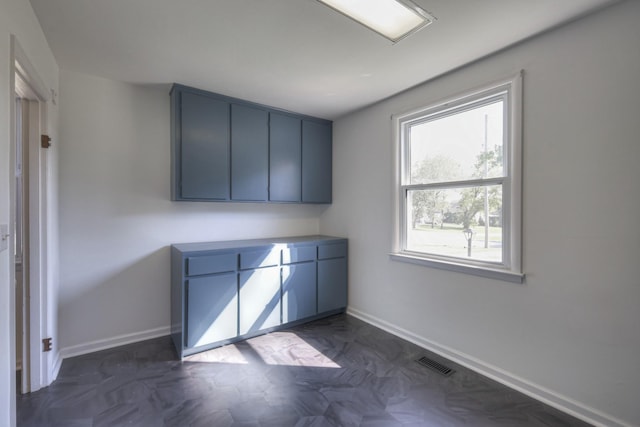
[[55, 366], [11, 392], [27, 71], [476, 182], [531, 389], [36, 363], [510, 269], [36, 284], [480, 271], [456, 99], [103, 344], [515, 163]]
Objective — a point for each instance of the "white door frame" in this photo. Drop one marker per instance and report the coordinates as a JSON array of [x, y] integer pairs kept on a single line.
[[38, 363]]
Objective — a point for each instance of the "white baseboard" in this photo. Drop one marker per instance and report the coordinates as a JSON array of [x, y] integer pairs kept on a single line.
[[551, 398], [90, 347]]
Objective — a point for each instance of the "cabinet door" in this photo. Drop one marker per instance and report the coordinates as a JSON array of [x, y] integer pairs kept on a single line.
[[285, 158], [298, 291], [249, 153], [259, 299], [332, 284], [212, 309], [316, 162], [204, 148]]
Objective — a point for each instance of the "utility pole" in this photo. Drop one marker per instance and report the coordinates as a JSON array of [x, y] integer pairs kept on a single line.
[[486, 190]]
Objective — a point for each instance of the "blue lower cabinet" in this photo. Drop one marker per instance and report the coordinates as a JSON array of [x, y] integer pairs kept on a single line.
[[222, 292], [298, 291], [259, 299], [212, 309], [332, 284]]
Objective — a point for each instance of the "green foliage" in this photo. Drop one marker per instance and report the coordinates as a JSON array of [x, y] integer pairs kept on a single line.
[[472, 199], [489, 163], [432, 205]]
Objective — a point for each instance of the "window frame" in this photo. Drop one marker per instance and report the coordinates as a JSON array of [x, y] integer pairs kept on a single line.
[[508, 90]]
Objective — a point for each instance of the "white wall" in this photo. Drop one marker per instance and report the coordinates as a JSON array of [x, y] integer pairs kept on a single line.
[[17, 18], [571, 333], [116, 217]]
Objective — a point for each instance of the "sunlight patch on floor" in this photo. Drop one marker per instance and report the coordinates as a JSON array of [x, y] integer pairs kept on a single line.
[[227, 354], [288, 349]]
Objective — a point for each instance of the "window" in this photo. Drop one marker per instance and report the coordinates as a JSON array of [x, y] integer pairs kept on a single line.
[[458, 191]]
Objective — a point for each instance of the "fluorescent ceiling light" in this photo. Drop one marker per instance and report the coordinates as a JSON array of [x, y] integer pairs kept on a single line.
[[394, 19]]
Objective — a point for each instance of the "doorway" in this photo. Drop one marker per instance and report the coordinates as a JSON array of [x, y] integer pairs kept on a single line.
[[29, 225]]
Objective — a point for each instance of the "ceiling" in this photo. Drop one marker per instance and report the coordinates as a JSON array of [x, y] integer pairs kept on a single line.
[[297, 55]]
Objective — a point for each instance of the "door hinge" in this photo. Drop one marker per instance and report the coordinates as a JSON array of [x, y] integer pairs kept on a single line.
[[45, 141], [46, 345]]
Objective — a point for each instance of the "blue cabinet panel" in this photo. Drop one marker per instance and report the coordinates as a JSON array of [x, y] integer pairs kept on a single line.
[[204, 148], [211, 264], [227, 149], [298, 254], [222, 292], [298, 291], [249, 153], [212, 309], [259, 299], [177, 303], [316, 162], [332, 284], [285, 158], [338, 250], [261, 258]]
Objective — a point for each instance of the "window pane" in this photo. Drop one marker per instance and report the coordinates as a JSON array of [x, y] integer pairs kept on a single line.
[[438, 218], [459, 146]]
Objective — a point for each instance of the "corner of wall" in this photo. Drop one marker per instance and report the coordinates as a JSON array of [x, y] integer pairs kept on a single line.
[[549, 397]]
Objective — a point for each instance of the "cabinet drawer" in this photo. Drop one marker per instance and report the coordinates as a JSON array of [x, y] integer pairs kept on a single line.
[[211, 264], [257, 259], [293, 255], [338, 250]]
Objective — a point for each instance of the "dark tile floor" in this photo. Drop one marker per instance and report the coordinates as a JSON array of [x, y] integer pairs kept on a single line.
[[333, 372]]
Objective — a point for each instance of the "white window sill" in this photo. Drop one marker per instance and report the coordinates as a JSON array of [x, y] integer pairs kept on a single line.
[[507, 276]]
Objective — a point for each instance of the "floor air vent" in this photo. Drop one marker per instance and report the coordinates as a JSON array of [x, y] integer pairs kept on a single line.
[[435, 366]]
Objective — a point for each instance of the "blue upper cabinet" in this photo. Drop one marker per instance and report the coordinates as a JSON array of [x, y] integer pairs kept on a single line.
[[316, 162], [285, 158], [203, 149], [249, 153], [226, 149]]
